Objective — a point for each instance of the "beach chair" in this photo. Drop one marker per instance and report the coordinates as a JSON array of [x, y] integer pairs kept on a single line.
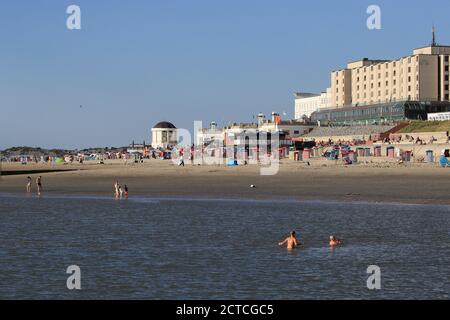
[[443, 162]]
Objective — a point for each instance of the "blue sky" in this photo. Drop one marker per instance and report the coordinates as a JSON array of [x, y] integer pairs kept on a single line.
[[136, 62]]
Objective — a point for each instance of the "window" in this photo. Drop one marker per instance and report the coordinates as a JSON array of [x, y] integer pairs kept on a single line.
[[379, 84], [296, 132], [395, 73], [446, 58], [387, 83], [409, 79], [446, 77], [409, 69], [409, 88]]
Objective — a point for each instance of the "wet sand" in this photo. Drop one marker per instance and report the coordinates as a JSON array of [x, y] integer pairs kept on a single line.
[[372, 181]]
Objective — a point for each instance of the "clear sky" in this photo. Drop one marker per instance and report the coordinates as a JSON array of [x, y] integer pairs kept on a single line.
[[137, 62]]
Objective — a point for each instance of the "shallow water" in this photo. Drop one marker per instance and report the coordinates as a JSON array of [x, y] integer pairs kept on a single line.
[[147, 248]]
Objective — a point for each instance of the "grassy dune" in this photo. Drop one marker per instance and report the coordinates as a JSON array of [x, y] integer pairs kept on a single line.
[[426, 126]]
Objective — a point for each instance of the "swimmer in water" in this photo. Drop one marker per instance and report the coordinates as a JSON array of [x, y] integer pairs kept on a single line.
[[125, 187], [335, 241], [291, 241]]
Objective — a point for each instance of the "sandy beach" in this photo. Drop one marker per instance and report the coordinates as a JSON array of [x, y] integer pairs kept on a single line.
[[371, 181]]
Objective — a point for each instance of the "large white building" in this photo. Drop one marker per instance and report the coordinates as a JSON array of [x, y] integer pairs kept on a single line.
[[307, 103], [290, 128]]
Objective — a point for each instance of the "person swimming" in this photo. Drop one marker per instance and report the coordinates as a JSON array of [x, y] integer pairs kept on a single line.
[[335, 241], [125, 187], [291, 241]]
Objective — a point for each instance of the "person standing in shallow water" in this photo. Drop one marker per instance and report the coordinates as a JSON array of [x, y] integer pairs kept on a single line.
[[125, 187], [39, 185], [29, 181], [116, 189], [290, 241]]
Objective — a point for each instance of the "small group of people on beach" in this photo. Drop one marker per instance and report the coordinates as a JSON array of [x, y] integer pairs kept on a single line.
[[292, 242], [38, 184], [120, 192]]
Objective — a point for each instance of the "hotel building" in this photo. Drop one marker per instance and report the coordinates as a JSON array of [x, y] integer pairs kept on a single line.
[[422, 76], [388, 91]]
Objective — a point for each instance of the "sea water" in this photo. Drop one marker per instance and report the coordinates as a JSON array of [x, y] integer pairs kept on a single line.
[[146, 248]]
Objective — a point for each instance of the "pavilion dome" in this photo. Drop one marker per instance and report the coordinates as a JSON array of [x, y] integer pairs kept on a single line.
[[164, 125]]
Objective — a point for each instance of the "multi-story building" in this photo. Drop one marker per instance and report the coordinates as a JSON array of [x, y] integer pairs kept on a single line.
[[307, 103], [422, 76]]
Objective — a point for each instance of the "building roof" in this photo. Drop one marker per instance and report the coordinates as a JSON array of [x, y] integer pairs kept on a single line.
[[164, 125], [303, 95]]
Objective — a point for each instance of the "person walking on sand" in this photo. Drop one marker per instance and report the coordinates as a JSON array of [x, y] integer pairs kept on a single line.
[[29, 182], [39, 185], [181, 163], [291, 241]]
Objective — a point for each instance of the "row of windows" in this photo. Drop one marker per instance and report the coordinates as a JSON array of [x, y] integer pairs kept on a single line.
[[381, 111], [358, 79], [386, 110], [379, 84], [394, 63]]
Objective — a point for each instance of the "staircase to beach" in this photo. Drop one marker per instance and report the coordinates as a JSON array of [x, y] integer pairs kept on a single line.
[[395, 129]]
